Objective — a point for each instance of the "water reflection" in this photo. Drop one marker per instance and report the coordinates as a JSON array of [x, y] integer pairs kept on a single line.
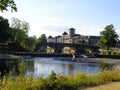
[[61, 66], [107, 66], [29, 67], [7, 66], [43, 67]]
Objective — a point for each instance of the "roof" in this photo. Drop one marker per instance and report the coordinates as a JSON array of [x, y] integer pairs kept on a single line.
[[65, 33], [94, 37], [57, 36], [71, 29], [50, 36]]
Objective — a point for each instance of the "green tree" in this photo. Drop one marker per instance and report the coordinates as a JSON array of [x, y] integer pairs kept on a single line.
[[4, 4], [18, 38], [4, 28], [19, 35], [108, 37], [18, 24], [42, 38], [31, 43], [19, 32]]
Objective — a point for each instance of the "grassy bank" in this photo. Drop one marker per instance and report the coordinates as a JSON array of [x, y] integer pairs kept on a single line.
[[54, 82]]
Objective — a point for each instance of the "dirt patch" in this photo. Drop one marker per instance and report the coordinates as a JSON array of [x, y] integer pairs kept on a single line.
[[110, 86]]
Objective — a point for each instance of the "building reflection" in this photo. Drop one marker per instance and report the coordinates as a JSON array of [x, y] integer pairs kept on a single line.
[[70, 69]]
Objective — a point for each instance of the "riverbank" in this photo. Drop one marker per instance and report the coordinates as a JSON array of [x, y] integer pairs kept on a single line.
[[98, 60], [35, 54], [9, 57], [77, 58]]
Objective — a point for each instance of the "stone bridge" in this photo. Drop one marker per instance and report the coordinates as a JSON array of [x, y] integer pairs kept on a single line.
[[58, 47]]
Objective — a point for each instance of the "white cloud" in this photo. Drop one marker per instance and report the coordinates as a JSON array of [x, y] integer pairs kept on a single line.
[[48, 30], [53, 19], [84, 30]]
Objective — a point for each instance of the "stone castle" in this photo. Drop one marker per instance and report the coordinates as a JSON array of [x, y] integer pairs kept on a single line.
[[72, 37]]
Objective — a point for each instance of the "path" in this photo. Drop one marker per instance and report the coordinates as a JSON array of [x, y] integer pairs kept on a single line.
[[110, 86]]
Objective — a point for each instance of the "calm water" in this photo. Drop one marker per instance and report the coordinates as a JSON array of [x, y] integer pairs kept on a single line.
[[38, 66], [61, 66]]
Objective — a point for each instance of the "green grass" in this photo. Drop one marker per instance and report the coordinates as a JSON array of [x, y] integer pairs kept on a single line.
[[54, 82]]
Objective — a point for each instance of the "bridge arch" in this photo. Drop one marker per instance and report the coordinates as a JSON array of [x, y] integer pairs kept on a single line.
[[68, 50]]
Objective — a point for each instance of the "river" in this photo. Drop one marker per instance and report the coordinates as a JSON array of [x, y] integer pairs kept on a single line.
[[41, 66]]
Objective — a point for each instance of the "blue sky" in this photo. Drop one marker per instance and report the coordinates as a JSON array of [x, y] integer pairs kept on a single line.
[[53, 17]]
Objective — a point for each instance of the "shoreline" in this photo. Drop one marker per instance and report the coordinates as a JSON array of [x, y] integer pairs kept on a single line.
[[96, 59], [63, 55], [9, 57]]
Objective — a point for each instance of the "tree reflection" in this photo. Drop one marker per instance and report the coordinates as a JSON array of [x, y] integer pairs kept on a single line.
[[8, 66], [29, 66], [106, 66]]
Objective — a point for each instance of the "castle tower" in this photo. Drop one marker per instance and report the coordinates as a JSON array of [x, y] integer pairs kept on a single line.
[[71, 32], [71, 35]]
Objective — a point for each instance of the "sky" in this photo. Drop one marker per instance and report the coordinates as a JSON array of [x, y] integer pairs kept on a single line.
[[53, 17]]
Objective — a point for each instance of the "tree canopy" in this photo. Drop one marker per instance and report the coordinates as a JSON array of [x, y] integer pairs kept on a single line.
[[4, 4], [19, 34], [18, 24], [42, 38], [108, 37]]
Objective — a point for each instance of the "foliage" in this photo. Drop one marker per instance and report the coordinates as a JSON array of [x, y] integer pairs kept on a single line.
[[19, 34], [22, 68], [108, 37], [88, 51], [54, 82], [7, 3], [4, 28], [22, 25], [18, 38], [30, 43], [106, 66], [42, 38], [114, 51], [52, 76]]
